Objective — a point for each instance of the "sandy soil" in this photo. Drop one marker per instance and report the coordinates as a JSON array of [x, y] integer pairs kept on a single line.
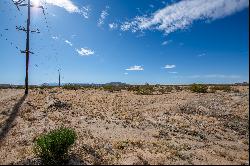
[[125, 128]]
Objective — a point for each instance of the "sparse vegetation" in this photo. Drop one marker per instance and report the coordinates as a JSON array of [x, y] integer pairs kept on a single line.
[[224, 88], [71, 87], [199, 88], [113, 88], [165, 89], [53, 147], [117, 128], [57, 104], [177, 88], [145, 90], [121, 145]]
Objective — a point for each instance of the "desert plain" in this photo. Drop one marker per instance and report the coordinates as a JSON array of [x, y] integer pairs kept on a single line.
[[179, 127]]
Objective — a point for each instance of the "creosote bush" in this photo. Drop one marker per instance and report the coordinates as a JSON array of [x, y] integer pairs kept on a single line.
[[53, 147], [145, 90], [198, 88], [224, 88], [71, 87], [165, 89], [113, 88], [178, 88]]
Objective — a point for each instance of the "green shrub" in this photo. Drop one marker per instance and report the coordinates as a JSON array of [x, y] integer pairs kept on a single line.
[[46, 87], [224, 88], [133, 88], [235, 90], [178, 88], [71, 87], [53, 147], [165, 89], [113, 88], [199, 88], [145, 90], [19, 87], [212, 90]]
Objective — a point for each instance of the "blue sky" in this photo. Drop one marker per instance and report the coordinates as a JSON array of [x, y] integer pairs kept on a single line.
[[132, 41]]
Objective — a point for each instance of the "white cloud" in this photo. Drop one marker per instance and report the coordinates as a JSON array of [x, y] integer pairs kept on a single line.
[[68, 5], [103, 15], [68, 42], [169, 66], [133, 25], [55, 37], [85, 52], [166, 42], [113, 26], [85, 11], [135, 68], [182, 14], [126, 73]]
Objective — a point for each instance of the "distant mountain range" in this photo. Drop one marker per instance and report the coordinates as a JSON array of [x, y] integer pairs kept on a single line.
[[86, 84], [93, 84]]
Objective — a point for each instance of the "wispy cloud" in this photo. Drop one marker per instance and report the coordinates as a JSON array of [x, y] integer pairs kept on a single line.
[[133, 25], [85, 11], [68, 42], [125, 73], [135, 68], [181, 15], [152, 6], [55, 37], [172, 72], [73, 36], [166, 42], [113, 26], [85, 52], [201, 55], [69, 6], [169, 66], [103, 15]]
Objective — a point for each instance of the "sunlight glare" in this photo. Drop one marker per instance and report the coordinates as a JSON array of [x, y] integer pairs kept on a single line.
[[36, 3]]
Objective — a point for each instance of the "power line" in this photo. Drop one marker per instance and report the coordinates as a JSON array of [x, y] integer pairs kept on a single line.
[[18, 4], [50, 34]]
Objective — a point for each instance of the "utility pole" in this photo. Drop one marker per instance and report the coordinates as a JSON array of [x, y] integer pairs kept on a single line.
[[59, 78], [27, 51]]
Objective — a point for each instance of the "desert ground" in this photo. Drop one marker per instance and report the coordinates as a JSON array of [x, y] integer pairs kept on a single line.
[[179, 127]]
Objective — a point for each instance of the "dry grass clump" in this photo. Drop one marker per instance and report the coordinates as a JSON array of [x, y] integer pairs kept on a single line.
[[224, 88], [165, 89], [145, 90], [199, 88], [57, 104], [113, 88], [178, 88], [71, 87], [121, 145]]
